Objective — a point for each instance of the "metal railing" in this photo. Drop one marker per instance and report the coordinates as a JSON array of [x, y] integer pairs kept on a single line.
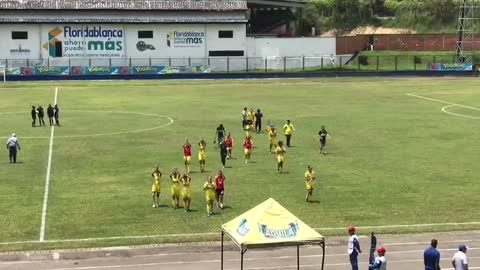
[[257, 64]]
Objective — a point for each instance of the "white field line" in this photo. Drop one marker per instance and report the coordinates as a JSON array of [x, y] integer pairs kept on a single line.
[[218, 233], [444, 109], [445, 102], [47, 179], [104, 134]]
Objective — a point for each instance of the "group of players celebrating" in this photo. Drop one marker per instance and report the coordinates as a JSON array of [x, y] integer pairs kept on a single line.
[[214, 186]]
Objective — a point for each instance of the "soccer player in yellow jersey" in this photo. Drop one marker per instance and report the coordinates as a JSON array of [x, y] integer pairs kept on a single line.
[[309, 181], [175, 188], [156, 188], [280, 151], [186, 192], [250, 116], [248, 130], [202, 147], [272, 136], [209, 188], [288, 130]]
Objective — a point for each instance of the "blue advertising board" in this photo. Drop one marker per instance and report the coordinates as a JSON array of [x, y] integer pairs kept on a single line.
[[450, 66]]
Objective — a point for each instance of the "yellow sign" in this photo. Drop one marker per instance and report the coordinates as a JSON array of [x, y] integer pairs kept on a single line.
[[269, 223]]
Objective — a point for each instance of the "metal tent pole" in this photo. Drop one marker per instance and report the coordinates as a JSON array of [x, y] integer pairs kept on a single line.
[[221, 256], [241, 258], [298, 257], [323, 253]]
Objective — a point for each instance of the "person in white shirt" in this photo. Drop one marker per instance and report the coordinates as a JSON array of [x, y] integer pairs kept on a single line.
[[13, 146], [380, 262], [353, 248], [459, 260], [244, 117]]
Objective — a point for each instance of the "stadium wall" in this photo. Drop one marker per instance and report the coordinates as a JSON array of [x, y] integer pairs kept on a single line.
[[64, 42], [290, 47]]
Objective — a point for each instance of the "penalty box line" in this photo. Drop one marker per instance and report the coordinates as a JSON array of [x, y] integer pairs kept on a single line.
[[218, 233], [47, 178], [444, 102]]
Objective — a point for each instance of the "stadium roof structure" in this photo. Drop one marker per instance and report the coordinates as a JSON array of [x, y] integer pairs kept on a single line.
[[123, 11], [279, 3], [270, 225], [213, 5]]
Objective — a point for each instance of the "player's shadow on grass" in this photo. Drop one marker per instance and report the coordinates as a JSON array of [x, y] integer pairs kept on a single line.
[[226, 207], [314, 201], [163, 205]]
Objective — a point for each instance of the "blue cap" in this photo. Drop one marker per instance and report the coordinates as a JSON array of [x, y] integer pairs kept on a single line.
[[462, 247]]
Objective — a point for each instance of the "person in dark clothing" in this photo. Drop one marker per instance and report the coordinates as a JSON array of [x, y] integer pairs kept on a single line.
[[223, 152], [56, 111], [220, 134], [50, 114], [41, 114], [34, 116], [431, 256], [258, 121]]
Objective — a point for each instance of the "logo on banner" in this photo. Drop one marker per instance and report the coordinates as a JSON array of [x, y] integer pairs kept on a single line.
[[288, 232], [242, 229], [142, 46], [19, 50], [185, 39], [88, 41]]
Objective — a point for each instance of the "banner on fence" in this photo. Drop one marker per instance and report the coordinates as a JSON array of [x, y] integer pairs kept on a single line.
[[57, 70], [450, 67], [100, 70], [187, 69], [14, 71], [148, 69]]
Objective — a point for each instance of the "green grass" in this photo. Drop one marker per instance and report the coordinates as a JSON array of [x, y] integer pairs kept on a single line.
[[394, 159]]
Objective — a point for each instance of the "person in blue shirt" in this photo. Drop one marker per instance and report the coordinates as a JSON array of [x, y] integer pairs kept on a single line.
[[380, 262], [431, 257]]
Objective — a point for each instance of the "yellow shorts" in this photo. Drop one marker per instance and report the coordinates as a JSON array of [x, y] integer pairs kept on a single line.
[[280, 159], [210, 196], [156, 187], [309, 184], [187, 158], [175, 189], [186, 193], [201, 156], [247, 151], [273, 141]]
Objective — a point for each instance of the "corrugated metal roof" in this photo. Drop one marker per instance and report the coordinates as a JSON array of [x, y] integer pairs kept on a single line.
[[220, 5], [111, 16]]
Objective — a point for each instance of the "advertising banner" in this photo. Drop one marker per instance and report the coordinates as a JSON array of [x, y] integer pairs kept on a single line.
[[98, 41], [58, 70], [14, 71], [100, 70], [148, 70], [186, 39], [450, 67], [187, 69]]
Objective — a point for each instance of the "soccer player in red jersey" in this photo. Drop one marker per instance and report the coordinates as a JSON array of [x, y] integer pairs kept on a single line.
[[229, 142], [219, 188], [247, 148], [187, 155]]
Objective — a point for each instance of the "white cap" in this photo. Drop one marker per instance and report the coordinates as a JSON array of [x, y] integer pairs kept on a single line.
[[14, 135]]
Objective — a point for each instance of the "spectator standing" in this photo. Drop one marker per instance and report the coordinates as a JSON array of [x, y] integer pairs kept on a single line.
[[459, 261], [34, 115], [258, 121], [55, 114], [50, 114], [41, 114], [380, 262], [288, 130], [353, 248], [13, 146], [431, 256]]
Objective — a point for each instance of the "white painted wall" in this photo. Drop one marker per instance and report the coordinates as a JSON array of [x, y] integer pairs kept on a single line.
[[279, 47], [8, 46]]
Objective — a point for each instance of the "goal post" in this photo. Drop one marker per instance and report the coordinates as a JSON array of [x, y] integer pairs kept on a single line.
[[3, 73]]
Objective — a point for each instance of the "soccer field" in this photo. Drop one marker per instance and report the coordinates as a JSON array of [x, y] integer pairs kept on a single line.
[[394, 159]]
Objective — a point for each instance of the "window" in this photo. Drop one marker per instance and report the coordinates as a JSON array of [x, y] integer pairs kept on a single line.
[[225, 53], [225, 34], [19, 35], [145, 34]]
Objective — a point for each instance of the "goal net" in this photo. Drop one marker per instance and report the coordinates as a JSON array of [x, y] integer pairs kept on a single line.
[[3, 73]]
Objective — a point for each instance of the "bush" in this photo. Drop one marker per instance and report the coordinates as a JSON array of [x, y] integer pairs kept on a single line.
[[417, 59], [363, 60]]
